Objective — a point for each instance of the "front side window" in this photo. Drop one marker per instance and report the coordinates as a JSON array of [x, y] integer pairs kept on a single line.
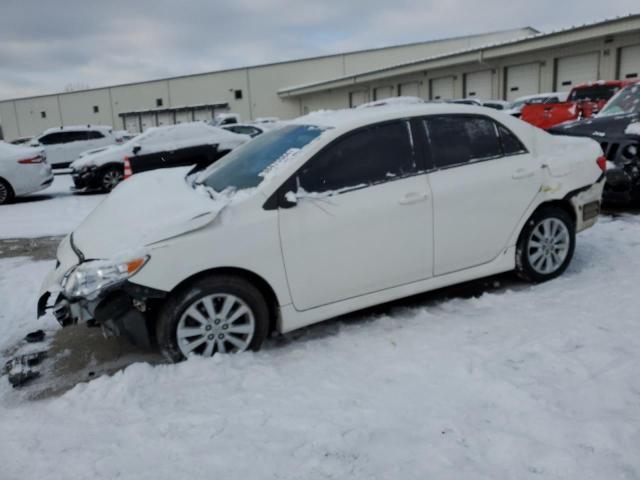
[[455, 140], [245, 166], [366, 157], [93, 134]]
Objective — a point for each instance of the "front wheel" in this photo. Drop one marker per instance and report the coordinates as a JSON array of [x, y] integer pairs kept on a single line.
[[220, 314], [110, 178], [546, 245]]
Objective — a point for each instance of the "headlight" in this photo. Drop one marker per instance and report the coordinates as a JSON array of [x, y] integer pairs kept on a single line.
[[88, 279]]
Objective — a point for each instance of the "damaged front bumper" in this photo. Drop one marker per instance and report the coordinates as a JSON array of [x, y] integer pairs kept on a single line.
[[119, 309]]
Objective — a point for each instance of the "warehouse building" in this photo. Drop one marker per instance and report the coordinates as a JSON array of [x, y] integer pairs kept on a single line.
[[500, 65]]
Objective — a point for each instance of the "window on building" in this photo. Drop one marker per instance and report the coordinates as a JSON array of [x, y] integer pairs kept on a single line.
[[159, 102], [455, 139], [96, 109], [370, 156], [238, 94], [43, 114]]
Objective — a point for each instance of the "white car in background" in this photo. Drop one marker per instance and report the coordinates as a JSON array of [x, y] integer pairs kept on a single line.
[[332, 213], [63, 144], [193, 143], [553, 97], [23, 170]]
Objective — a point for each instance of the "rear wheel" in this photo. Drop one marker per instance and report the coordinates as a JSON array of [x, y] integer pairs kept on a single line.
[[546, 245], [221, 314], [111, 177], [6, 192]]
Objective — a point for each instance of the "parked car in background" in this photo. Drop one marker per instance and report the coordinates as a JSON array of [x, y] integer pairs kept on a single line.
[[617, 128], [266, 120], [194, 143], [583, 101], [518, 104], [23, 170], [404, 100], [332, 213], [245, 129], [225, 119], [63, 144], [495, 104], [21, 140]]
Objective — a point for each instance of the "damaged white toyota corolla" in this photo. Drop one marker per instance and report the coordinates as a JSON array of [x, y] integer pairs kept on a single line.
[[335, 212]]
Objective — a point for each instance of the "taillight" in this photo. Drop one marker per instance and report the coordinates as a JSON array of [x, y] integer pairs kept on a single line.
[[602, 163], [32, 160], [127, 168]]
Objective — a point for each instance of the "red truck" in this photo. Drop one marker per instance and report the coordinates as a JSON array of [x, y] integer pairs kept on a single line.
[[584, 101]]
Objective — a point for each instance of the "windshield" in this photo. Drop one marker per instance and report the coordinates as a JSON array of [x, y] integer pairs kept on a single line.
[[593, 93], [244, 167], [626, 101]]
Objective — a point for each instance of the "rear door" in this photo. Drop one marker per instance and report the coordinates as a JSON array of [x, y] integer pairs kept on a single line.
[[483, 182], [362, 222]]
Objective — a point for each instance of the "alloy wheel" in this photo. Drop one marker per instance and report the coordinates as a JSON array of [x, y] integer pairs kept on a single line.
[[217, 323], [110, 179], [4, 193], [548, 246]]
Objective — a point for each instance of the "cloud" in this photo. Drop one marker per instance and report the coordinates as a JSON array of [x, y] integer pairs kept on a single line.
[[47, 45]]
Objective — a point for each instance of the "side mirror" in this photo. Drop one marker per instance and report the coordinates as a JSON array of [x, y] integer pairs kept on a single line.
[[34, 144], [136, 149]]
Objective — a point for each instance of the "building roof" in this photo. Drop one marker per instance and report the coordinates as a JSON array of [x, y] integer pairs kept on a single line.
[[529, 42]]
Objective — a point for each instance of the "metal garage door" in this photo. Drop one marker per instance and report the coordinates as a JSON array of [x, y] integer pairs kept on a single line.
[[358, 98], [184, 116], [132, 123], [629, 62], [442, 88], [479, 85], [382, 92], [571, 71], [204, 114], [409, 89], [165, 118], [148, 120], [522, 80]]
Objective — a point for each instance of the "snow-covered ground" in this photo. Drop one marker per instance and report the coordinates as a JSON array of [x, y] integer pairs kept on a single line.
[[535, 382], [53, 211]]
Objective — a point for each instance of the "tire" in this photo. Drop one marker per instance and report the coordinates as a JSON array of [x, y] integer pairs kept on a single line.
[[188, 311], [6, 192], [110, 178], [546, 245]]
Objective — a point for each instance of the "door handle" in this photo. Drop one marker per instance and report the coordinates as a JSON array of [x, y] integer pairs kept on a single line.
[[523, 173], [413, 197]]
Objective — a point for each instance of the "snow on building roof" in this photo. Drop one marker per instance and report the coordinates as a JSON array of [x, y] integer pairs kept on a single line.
[[292, 90]]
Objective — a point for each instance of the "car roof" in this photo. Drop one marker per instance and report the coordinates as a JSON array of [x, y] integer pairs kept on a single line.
[[355, 117], [77, 128]]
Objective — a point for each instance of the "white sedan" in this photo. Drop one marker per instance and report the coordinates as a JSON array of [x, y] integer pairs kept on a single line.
[[332, 213], [23, 170]]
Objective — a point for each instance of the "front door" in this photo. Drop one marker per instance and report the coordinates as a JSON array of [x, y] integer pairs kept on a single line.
[[484, 181], [362, 221]]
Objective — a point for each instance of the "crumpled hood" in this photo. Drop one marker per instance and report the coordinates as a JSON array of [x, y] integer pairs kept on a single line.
[[598, 128], [142, 210]]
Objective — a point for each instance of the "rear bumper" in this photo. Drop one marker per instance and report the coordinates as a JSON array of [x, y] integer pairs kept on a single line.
[[586, 203]]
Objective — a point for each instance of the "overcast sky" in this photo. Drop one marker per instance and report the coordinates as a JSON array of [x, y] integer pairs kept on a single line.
[[46, 45]]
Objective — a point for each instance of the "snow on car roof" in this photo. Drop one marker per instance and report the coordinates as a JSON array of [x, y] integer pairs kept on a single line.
[[76, 128], [355, 117]]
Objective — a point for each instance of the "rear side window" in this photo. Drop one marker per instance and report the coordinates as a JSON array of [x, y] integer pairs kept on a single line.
[[511, 145], [92, 135], [455, 140], [366, 157], [53, 138]]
